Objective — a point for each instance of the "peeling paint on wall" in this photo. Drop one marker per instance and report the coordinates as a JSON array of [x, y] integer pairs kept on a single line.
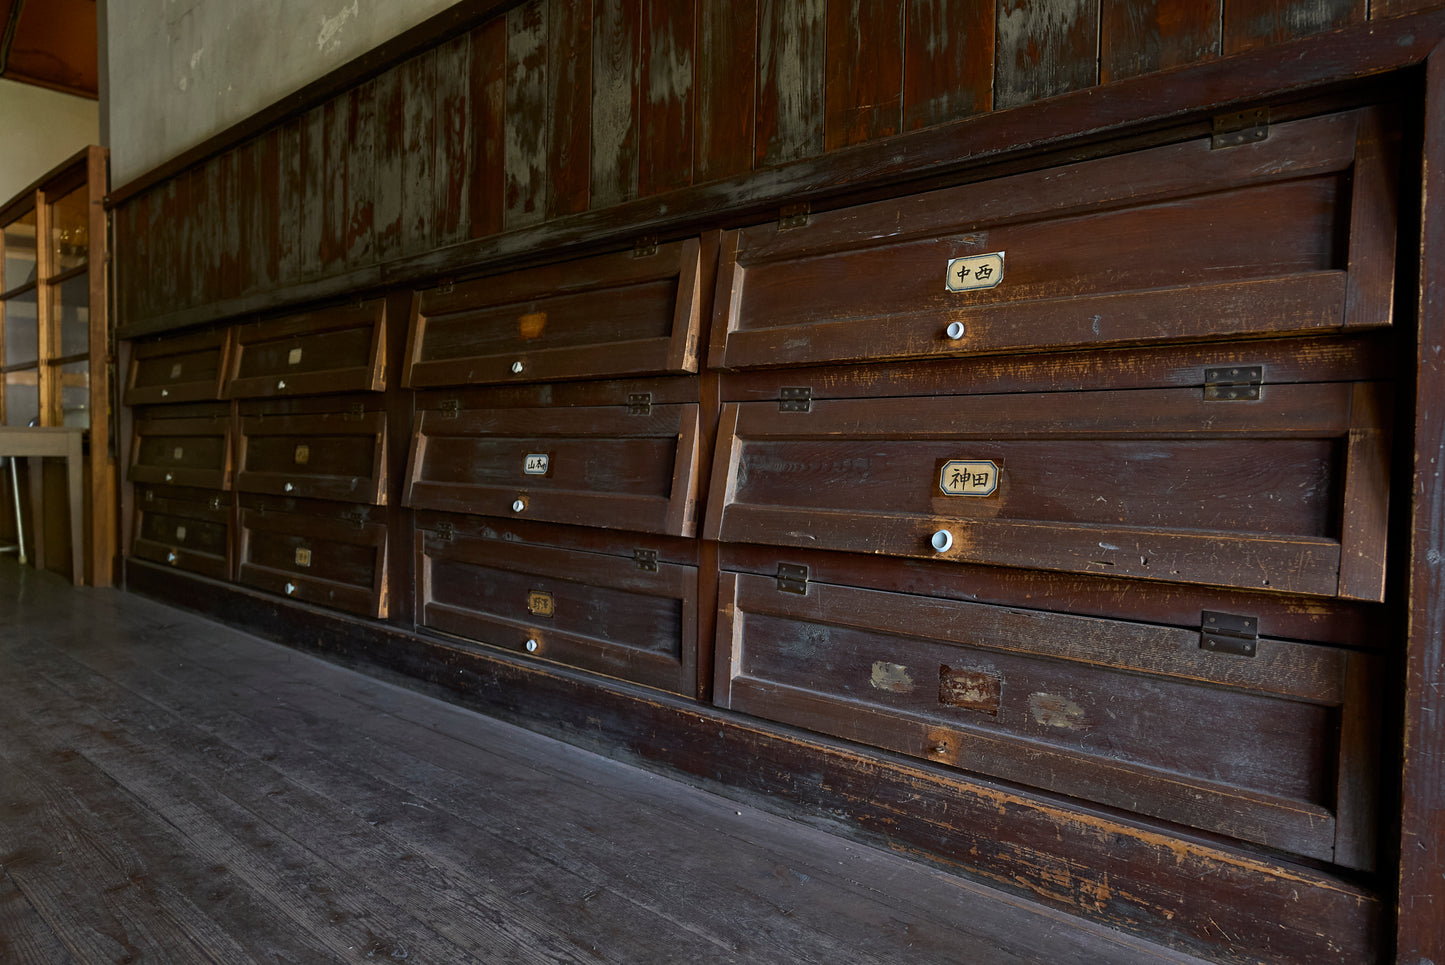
[[329, 39]]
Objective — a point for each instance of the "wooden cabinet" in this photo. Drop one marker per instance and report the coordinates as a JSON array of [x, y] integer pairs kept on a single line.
[[189, 368], [182, 446], [623, 605], [327, 448], [327, 553], [189, 529], [326, 350]]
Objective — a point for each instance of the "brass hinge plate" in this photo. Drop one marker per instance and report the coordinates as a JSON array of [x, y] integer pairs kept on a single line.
[[795, 398], [645, 559], [1228, 633], [792, 216], [444, 532], [449, 408], [646, 247], [792, 578], [1233, 383], [639, 403], [1241, 127]]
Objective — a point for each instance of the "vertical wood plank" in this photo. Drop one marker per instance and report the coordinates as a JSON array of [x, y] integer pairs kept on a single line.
[[864, 71], [229, 240], [289, 217], [948, 52], [129, 255], [199, 217], [418, 198], [266, 228], [209, 232], [1384, 9], [791, 61], [524, 192], [454, 137], [360, 234], [727, 64], [335, 114], [390, 148], [616, 39], [1140, 36], [313, 192], [248, 184], [192, 197], [1249, 24], [489, 117], [569, 81], [667, 92], [1044, 47]]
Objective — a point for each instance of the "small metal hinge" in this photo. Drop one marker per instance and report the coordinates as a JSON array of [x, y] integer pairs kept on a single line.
[[792, 578], [357, 516], [639, 403], [1228, 633], [795, 398], [1235, 383], [444, 532], [449, 408], [354, 412], [446, 287], [792, 216], [1243, 127], [646, 247], [645, 559], [215, 501]]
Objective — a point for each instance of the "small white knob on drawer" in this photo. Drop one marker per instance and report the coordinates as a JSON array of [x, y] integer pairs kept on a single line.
[[942, 541], [280, 383], [517, 367], [518, 505], [288, 487], [165, 393], [532, 646], [169, 477], [290, 588], [171, 556], [955, 330]]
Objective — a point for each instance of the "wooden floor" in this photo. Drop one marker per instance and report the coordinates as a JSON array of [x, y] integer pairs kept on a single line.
[[173, 791]]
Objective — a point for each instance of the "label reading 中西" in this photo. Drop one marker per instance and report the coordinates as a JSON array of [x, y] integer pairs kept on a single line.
[[968, 477], [974, 272], [536, 464]]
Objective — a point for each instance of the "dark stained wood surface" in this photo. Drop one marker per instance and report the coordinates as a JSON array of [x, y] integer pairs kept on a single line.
[[947, 61], [863, 99], [181, 792], [336, 348], [1044, 48], [1139, 36]]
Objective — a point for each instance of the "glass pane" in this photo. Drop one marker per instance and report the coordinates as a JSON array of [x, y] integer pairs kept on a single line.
[[69, 231], [22, 398], [70, 310], [75, 394], [19, 252], [22, 330]]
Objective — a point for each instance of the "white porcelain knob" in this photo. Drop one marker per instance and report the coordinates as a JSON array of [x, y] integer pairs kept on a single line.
[[517, 367], [288, 487], [280, 383], [531, 646], [955, 330], [290, 588], [518, 505], [942, 541]]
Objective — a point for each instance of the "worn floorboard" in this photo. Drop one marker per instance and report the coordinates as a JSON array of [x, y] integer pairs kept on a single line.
[[176, 791]]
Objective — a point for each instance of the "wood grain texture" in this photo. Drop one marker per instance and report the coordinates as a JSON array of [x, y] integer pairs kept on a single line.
[[228, 238], [1383, 9], [1044, 48], [569, 99], [524, 191], [487, 152], [313, 192], [1136, 38], [863, 90], [288, 240], [419, 153], [792, 61], [1251, 24], [389, 171], [667, 86], [616, 68], [335, 211], [454, 119], [948, 57], [726, 83], [358, 235]]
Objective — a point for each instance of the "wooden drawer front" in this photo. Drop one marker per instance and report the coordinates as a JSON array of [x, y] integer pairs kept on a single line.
[[612, 315], [1273, 749], [316, 552], [186, 369], [186, 528], [336, 349], [182, 452], [331, 456], [603, 613], [1287, 493], [605, 467], [1291, 234]]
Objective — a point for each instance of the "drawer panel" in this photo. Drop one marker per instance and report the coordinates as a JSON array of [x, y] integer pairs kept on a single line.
[[186, 528], [190, 368], [584, 465], [611, 315], [1287, 493], [546, 594], [1291, 234], [335, 349], [182, 451], [1269, 748], [320, 456], [330, 554]]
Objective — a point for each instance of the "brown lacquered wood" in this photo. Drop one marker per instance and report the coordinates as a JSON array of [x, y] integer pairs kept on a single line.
[[338, 348], [1141, 37], [186, 528], [186, 368], [569, 95], [1253, 24], [329, 554], [184, 451], [1044, 48], [727, 53], [616, 38], [863, 96], [454, 164], [947, 61], [487, 152], [792, 55], [524, 188], [338, 456], [667, 95]]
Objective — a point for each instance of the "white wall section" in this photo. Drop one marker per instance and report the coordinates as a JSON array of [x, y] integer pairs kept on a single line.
[[43, 128]]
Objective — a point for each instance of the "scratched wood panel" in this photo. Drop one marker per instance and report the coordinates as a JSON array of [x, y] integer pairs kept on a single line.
[[418, 201], [1044, 47], [667, 93], [193, 288], [453, 139], [524, 191], [726, 83], [1250, 24], [313, 192], [358, 236], [229, 240], [792, 42], [288, 237], [616, 40], [333, 219], [569, 83], [489, 105], [1383, 9], [864, 92], [390, 147], [171, 207], [211, 233], [248, 167], [266, 228], [1140, 37], [127, 259], [948, 53]]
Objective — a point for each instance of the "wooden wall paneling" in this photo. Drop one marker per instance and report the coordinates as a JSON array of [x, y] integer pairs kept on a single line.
[[288, 220], [524, 190], [569, 99], [184, 228], [1139, 37], [335, 149], [359, 229], [1251, 24], [171, 207], [1421, 928], [1382, 9], [211, 232], [487, 152], [667, 93], [126, 259], [948, 51], [418, 195], [864, 86], [313, 193], [238, 239], [197, 215], [616, 42], [792, 42], [453, 140], [266, 228], [726, 108], [399, 405], [1044, 47], [387, 177]]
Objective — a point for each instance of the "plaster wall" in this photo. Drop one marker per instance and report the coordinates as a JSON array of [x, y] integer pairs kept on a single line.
[[181, 71], [43, 128]]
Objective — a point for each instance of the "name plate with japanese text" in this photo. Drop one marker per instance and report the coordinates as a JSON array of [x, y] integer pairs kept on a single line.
[[536, 464], [974, 272], [968, 477]]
